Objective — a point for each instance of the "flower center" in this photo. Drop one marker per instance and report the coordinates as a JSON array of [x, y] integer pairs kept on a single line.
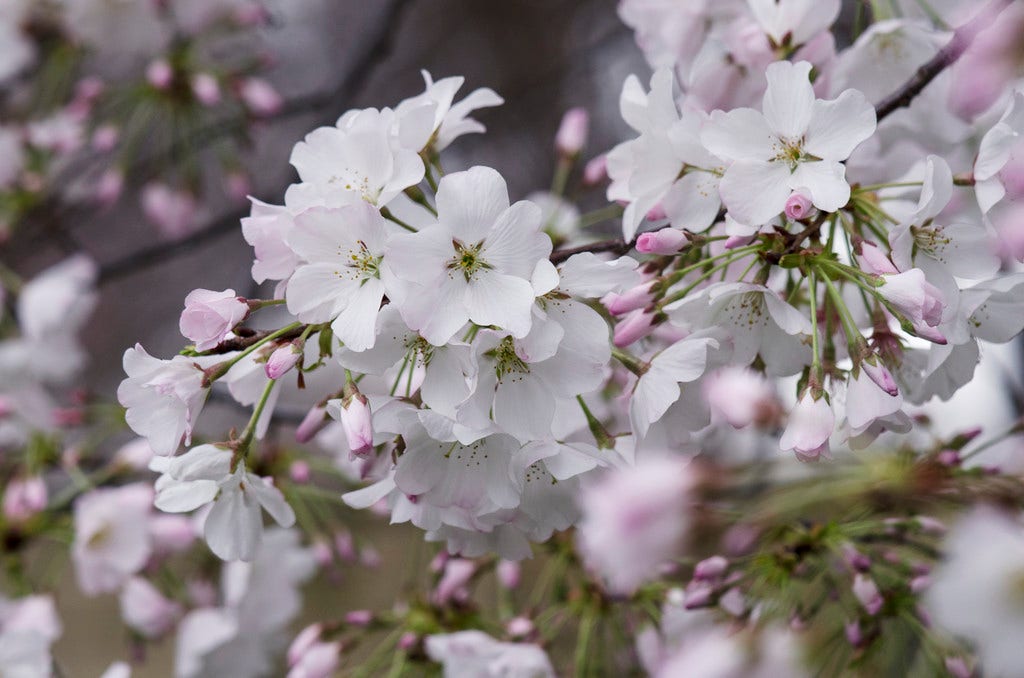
[[467, 259], [506, 361]]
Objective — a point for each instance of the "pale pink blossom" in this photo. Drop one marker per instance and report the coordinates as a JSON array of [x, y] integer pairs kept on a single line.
[[24, 498], [210, 316], [146, 610], [173, 211], [112, 540], [810, 425], [260, 97], [206, 89]]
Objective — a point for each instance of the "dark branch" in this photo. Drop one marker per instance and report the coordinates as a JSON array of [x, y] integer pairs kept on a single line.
[[946, 57], [375, 51], [618, 246]]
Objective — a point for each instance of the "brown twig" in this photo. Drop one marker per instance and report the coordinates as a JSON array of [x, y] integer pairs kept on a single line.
[[617, 245], [946, 57]]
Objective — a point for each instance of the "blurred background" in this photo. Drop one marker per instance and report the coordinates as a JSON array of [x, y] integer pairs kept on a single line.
[[153, 192]]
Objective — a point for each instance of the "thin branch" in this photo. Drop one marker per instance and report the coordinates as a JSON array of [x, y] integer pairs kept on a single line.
[[946, 57], [618, 246], [375, 51]]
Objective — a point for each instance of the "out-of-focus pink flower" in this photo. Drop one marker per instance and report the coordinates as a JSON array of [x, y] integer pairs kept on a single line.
[[596, 170], [913, 296], [171, 533], [109, 187], [634, 520], [742, 397], [172, 211], [24, 498], [146, 610], [159, 74], [452, 585], [260, 97], [209, 316], [508, 573], [105, 138], [112, 540], [206, 89], [866, 592]]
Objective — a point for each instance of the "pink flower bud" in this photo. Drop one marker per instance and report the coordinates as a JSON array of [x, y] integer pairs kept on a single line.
[[866, 592], [359, 617], [710, 568], [252, 14], [920, 584], [260, 97], [6, 405], [957, 666], [519, 627], [88, 89], [358, 424], [572, 132], [734, 241], [306, 638], [664, 241], [209, 316], [408, 640], [24, 498], [596, 170], [633, 328], [508, 573], [949, 458], [206, 89], [854, 635], [798, 206], [109, 187], [105, 138], [345, 546], [698, 594], [311, 424], [452, 586], [873, 260], [322, 553], [878, 373], [299, 472], [159, 74], [369, 557], [282, 360], [630, 300], [912, 295]]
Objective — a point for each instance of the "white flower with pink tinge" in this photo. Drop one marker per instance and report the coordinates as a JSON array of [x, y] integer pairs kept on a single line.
[[476, 654], [163, 398], [112, 538], [475, 263], [798, 142], [203, 475]]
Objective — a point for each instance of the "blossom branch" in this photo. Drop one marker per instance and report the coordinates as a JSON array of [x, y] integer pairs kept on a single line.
[[962, 39]]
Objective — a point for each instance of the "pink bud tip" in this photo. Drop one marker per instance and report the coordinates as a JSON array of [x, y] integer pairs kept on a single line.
[[572, 132], [665, 241], [282, 360], [159, 74], [630, 300], [798, 206], [311, 424], [206, 89], [596, 170], [633, 327]]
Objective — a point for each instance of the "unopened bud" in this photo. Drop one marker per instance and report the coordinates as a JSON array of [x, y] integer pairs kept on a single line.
[[798, 206], [633, 328], [572, 132], [206, 89], [24, 498], [596, 170], [282, 360], [632, 299], [159, 74], [664, 241], [311, 424]]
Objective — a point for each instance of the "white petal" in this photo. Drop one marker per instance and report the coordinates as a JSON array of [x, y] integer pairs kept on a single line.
[[754, 191], [524, 407], [789, 99], [826, 182], [272, 501], [838, 126], [181, 497], [469, 202], [357, 324], [515, 244], [501, 300], [693, 201], [742, 133], [234, 526]]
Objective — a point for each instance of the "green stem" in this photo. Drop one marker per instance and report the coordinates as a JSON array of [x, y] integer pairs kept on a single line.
[[689, 288], [386, 213], [630, 362], [250, 429], [850, 327], [561, 178], [600, 215], [812, 284]]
